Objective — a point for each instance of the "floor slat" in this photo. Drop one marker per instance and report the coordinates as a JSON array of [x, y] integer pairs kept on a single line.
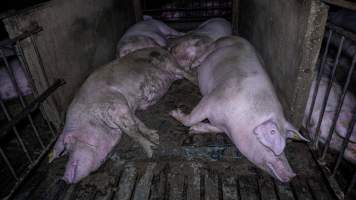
[[127, 183], [229, 188]]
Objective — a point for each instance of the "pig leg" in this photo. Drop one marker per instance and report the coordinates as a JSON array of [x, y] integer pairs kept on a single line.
[[199, 113], [120, 116], [204, 128], [130, 127], [158, 39], [150, 133]]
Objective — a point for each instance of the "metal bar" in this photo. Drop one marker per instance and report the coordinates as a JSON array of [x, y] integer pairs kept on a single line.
[[345, 142], [20, 55], [205, 8], [30, 108], [22, 100], [326, 97], [338, 110], [341, 31], [351, 184], [34, 29], [22, 144], [3, 155], [30, 168], [40, 61], [316, 88], [333, 184]]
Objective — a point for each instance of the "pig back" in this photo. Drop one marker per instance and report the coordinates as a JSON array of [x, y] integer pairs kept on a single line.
[[141, 77], [236, 62]]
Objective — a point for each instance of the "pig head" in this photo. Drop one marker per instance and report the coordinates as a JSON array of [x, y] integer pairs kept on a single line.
[[87, 147], [134, 43], [265, 146], [188, 48]]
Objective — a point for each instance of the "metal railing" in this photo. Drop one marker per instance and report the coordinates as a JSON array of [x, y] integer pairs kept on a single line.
[[331, 160], [18, 125], [187, 10]]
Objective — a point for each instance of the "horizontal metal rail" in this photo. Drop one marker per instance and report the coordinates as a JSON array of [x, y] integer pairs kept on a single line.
[[32, 30]]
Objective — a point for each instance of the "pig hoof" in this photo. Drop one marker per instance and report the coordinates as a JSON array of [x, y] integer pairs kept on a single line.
[[154, 137], [177, 114], [194, 130], [149, 147]]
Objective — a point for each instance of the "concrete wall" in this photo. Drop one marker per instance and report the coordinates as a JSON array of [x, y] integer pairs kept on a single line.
[[288, 36], [77, 37]]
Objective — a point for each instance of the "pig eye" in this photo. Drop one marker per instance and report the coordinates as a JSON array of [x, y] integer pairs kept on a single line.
[[273, 132]]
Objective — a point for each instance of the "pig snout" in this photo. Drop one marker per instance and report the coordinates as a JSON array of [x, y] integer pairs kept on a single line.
[[280, 169], [82, 160]]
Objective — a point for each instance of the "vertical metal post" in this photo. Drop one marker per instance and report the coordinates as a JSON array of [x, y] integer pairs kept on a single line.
[[22, 100], [3, 155], [338, 110], [22, 144], [345, 142], [326, 97], [316, 87], [23, 62]]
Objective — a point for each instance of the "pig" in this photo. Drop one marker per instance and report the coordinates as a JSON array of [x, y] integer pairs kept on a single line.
[[144, 34], [7, 88], [239, 100], [187, 48], [343, 122], [105, 105]]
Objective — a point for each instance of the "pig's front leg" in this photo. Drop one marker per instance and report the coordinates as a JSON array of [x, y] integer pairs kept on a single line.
[[120, 116], [204, 128], [150, 133], [198, 114]]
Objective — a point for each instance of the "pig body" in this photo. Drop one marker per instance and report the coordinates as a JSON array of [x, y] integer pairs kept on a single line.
[[343, 121], [7, 89], [145, 34], [187, 48], [105, 105], [239, 100]]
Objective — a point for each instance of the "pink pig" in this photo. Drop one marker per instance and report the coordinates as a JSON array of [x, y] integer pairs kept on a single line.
[[239, 100]]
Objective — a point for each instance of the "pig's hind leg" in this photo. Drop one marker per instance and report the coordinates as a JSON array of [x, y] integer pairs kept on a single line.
[[199, 113], [150, 133]]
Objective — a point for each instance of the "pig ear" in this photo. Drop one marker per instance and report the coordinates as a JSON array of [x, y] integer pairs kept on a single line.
[[293, 133], [267, 133], [58, 150]]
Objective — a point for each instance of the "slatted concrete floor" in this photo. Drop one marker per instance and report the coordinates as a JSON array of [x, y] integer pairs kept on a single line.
[[188, 180]]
